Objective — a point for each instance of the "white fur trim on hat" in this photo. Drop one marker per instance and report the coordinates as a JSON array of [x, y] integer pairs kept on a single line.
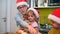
[[35, 11], [22, 3], [54, 18]]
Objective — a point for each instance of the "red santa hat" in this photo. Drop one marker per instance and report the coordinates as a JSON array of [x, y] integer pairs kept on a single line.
[[55, 16], [36, 12], [22, 2]]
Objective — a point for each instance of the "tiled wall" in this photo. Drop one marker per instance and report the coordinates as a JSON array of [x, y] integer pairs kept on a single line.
[[44, 12]]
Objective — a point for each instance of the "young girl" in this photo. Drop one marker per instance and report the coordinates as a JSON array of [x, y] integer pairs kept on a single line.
[[32, 16]]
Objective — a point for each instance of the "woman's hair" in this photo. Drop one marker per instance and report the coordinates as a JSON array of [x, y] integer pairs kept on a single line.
[[25, 16], [22, 6]]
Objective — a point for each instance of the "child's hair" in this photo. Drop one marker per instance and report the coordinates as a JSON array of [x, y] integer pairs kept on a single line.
[[33, 14], [36, 13]]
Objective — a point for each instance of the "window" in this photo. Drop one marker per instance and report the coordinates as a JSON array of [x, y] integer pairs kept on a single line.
[[36, 3], [54, 2], [29, 2], [44, 3]]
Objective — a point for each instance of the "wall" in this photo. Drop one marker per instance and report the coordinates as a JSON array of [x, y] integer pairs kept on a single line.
[[13, 13], [45, 12]]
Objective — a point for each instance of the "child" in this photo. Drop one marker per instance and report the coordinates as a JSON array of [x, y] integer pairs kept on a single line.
[[55, 19], [32, 16]]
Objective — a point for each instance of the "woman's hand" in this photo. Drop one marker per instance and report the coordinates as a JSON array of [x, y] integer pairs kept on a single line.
[[31, 30]]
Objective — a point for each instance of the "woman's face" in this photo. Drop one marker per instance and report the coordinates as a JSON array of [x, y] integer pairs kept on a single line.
[[31, 16], [55, 24], [23, 9]]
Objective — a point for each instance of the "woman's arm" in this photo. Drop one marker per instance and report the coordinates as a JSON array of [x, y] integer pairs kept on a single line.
[[20, 21], [31, 30], [25, 24]]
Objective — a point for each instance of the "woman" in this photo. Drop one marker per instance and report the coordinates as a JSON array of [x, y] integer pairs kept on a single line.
[[22, 8]]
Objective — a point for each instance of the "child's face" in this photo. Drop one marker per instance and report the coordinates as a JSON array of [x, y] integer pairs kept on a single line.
[[22, 9], [55, 25], [31, 16]]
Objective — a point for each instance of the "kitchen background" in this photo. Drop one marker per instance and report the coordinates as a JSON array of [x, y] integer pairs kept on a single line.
[[8, 11]]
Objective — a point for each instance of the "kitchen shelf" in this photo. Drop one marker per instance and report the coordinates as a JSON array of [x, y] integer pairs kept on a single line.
[[43, 4], [48, 7]]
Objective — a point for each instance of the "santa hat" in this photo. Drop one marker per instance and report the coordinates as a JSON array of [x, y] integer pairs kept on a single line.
[[55, 16], [35, 12], [22, 2]]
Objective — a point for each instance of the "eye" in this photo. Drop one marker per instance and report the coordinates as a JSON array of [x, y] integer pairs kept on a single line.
[[28, 15], [31, 15]]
